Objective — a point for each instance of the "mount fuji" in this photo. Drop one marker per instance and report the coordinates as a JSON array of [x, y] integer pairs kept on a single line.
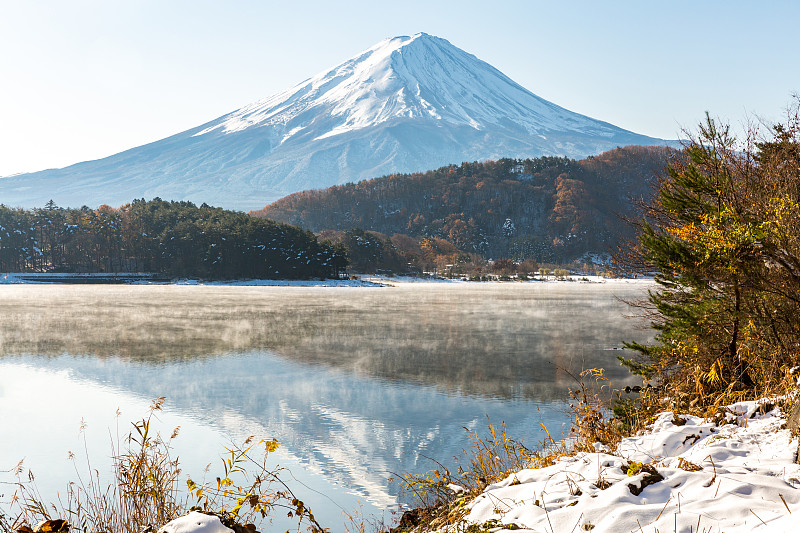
[[406, 104]]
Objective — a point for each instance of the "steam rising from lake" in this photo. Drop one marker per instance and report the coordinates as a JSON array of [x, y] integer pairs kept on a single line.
[[355, 383]]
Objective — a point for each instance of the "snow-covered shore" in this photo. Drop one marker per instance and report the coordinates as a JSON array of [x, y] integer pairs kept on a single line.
[[571, 280], [735, 474], [11, 278], [686, 475], [366, 280]]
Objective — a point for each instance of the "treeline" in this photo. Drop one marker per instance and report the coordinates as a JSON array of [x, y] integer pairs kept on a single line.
[[373, 252], [174, 238], [550, 209]]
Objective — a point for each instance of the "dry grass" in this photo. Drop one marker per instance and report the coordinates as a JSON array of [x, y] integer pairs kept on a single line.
[[491, 458], [5, 527], [599, 415], [249, 491], [441, 497], [146, 491]]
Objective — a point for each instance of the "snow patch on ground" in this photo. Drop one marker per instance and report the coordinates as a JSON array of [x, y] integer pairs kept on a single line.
[[195, 522], [738, 477]]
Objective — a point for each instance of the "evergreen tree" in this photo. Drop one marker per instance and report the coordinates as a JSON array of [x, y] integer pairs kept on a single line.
[[722, 239], [174, 238]]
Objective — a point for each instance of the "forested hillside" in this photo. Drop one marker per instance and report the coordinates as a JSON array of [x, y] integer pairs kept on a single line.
[[548, 209], [173, 238]]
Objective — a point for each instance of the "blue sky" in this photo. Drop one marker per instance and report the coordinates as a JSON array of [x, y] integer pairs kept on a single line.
[[84, 79]]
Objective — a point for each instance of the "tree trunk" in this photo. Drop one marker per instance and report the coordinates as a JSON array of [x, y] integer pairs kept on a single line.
[[739, 364]]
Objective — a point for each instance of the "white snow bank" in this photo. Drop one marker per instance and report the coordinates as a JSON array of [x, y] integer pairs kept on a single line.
[[195, 522], [738, 477]]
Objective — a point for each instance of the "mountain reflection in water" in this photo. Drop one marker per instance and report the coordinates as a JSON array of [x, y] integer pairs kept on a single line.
[[355, 383]]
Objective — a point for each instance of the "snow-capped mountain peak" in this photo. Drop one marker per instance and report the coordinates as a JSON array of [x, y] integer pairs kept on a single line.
[[420, 76], [409, 103]]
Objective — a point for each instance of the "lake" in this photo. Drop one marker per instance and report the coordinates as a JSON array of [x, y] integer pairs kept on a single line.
[[356, 383]]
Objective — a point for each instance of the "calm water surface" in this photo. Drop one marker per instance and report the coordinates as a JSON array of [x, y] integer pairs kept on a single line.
[[355, 383]]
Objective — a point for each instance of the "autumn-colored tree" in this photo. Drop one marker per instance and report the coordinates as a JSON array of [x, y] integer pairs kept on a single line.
[[507, 208], [504, 266], [528, 267], [723, 239]]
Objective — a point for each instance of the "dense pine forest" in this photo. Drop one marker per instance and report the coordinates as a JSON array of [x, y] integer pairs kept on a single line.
[[549, 209], [173, 238]]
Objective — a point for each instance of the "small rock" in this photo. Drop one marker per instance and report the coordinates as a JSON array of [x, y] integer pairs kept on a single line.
[[408, 521], [650, 477]]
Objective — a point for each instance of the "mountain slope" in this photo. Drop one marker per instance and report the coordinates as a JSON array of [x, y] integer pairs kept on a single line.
[[406, 104], [548, 209]]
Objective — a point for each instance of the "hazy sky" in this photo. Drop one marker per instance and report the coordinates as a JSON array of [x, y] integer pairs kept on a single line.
[[82, 79]]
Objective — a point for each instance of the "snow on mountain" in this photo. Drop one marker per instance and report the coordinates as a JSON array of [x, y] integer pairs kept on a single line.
[[406, 104], [406, 78]]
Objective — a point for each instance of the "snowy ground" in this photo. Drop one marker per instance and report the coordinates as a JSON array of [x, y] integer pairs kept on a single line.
[[736, 477], [687, 474], [365, 280], [397, 280]]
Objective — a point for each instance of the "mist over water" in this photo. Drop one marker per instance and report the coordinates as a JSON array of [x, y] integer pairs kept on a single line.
[[356, 383]]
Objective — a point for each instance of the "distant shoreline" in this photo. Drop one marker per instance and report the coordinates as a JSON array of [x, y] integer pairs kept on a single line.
[[360, 280], [41, 278]]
